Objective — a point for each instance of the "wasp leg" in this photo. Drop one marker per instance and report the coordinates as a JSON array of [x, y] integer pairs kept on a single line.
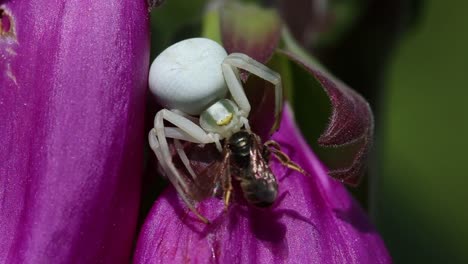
[[228, 188], [227, 197], [275, 148]]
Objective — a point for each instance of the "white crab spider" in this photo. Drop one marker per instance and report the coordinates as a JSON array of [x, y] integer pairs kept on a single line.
[[192, 78]]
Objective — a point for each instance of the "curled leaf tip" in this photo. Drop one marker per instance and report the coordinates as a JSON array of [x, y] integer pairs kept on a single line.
[[351, 123]]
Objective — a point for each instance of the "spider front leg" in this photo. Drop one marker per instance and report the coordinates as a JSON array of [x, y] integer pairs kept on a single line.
[[168, 166], [186, 130], [242, 61]]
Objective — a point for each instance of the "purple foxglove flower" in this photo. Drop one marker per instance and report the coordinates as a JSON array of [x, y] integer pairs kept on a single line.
[[315, 220], [73, 76]]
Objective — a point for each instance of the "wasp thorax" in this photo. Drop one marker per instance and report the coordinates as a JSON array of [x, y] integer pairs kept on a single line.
[[240, 143], [222, 117]]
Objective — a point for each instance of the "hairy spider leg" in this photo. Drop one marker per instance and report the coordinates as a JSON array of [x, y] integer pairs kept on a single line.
[[189, 131], [155, 146], [184, 158], [177, 134], [244, 62], [160, 146]]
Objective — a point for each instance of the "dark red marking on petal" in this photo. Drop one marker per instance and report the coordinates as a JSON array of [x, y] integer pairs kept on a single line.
[[6, 24]]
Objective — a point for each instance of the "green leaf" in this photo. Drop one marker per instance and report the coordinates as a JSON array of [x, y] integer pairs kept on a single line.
[[211, 27], [250, 29], [173, 21]]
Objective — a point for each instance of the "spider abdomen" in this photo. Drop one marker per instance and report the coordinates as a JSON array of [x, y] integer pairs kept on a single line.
[[187, 76]]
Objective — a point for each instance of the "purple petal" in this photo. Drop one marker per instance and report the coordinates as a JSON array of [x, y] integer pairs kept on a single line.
[[315, 220], [351, 121], [73, 77]]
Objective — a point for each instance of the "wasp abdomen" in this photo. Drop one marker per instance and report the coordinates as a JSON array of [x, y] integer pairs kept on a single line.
[[260, 193]]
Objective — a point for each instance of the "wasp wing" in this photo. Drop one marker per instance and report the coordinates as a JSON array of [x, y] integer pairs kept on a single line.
[[210, 181], [259, 161]]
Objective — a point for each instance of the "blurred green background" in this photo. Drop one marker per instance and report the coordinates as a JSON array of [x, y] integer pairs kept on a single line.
[[421, 210]]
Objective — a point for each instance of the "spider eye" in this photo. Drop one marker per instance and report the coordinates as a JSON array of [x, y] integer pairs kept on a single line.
[[226, 120], [218, 114]]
